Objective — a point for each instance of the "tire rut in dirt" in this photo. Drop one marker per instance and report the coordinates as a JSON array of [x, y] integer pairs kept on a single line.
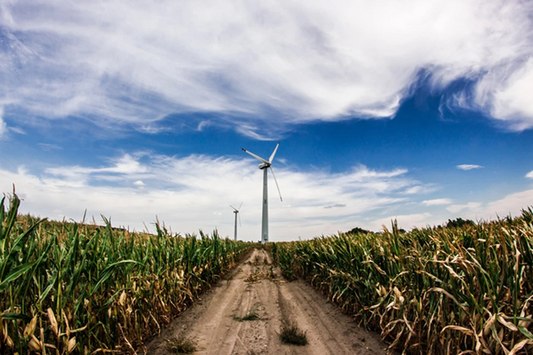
[[217, 322], [329, 331]]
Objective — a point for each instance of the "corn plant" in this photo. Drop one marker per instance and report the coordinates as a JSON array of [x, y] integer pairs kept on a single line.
[[78, 288], [435, 290]]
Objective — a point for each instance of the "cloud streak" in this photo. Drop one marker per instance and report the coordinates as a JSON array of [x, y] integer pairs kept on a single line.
[[467, 167], [194, 192], [268, 65], [3, 126], [511, 204], [437, 202]]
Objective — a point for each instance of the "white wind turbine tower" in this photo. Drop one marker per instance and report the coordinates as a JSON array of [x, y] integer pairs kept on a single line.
[[236, 211], [264, 166]]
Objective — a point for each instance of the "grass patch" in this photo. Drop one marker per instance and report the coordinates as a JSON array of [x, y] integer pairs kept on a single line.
[[181, 345], [291, 334], [252, 315]]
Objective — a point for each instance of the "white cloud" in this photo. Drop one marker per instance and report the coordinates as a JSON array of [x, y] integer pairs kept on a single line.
[[437, 202], [465, 208], [511, 204], [530, 174], [3, 126], [420, 189], [413, 190], [195, 192], [137, 62], [468, 166], [49, 147], [17, 130], [504, 94], [123, 165]]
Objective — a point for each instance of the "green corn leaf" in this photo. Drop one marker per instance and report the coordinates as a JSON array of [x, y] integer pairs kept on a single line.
[[107, 272], [15, 316], [525, 332], [15, 274]]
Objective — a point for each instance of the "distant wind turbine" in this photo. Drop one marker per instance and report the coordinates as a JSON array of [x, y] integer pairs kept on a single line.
[[236, 211], [264, 166]]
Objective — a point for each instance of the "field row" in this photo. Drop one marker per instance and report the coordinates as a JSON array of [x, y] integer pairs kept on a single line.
[[69, 288], [466, 290]]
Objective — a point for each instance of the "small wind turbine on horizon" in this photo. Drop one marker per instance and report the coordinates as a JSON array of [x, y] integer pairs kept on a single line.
[[264, 166], [236, 211]]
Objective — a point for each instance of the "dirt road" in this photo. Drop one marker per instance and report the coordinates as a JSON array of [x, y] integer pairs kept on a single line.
[[256, 290]]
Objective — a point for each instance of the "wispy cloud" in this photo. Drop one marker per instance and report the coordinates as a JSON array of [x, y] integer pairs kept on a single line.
[[48, 146], [17, 130], [420, 189], [468, 166], [3, 125], [511, 204], [265, 64], [194, 192], [530, 174], [337, 205], [3, 128], [469, 207], [438, 202], [499, 93], [126, 164]]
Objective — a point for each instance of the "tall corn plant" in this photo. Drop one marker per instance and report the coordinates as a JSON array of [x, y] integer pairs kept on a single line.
[[431, 291], [69, 288]]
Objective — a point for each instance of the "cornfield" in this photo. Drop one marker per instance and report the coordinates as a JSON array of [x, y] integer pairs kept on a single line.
[[436, 290], [84, 289]]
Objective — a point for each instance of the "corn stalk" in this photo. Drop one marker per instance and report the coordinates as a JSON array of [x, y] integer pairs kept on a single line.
[[436, 290], [84, 289]]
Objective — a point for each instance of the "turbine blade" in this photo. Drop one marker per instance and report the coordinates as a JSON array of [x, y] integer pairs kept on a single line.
[[276, 181], [234, 208], [256, 156], [240, 206], [273, 153]]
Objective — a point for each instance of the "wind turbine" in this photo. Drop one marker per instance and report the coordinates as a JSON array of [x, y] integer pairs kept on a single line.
[[264, 166], [236, 211]]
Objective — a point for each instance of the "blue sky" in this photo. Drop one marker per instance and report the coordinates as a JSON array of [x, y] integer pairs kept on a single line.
[[418, 111]]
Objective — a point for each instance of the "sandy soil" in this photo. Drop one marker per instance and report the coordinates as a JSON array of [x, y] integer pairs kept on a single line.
[[257, 287]]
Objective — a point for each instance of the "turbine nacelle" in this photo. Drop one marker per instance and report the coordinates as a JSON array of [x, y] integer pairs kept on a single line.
[[267, 164]]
